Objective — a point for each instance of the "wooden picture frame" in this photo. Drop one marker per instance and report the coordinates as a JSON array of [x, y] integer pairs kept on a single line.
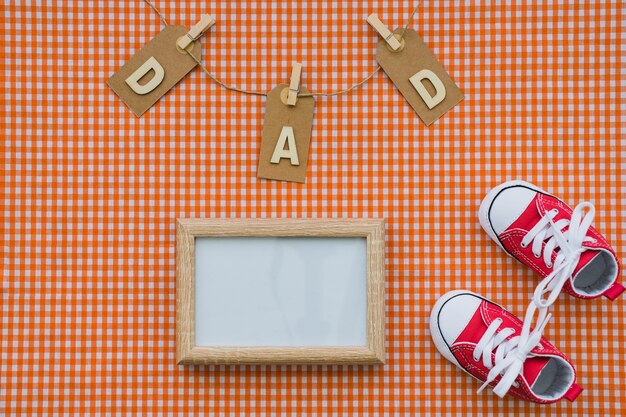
[[187, 230]]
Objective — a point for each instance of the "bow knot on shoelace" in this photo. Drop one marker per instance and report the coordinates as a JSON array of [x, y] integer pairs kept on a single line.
[[568, 246], [510, 355]]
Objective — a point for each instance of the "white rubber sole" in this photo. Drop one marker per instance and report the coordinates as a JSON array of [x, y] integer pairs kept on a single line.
[[485, 205], [435, 333]]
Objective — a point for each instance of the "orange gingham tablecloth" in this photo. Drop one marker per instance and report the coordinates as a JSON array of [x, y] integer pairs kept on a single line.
[[90, 194]]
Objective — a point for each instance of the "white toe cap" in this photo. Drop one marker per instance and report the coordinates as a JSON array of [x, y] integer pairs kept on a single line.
[[508, 205], [453, 313]]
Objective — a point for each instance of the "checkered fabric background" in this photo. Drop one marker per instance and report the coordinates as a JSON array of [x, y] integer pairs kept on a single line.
[[90, 194]]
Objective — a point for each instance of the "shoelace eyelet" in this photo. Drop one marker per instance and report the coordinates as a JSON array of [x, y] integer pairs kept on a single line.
[[523, 245], [550, 265], [537, 255], [555, 211]]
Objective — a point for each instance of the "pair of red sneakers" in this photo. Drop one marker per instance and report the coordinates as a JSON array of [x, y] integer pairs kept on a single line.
[[560, 245]]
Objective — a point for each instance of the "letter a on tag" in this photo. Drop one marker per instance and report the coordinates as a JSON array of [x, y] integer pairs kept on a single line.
[[419, 76], [286, 136], [154, 70]]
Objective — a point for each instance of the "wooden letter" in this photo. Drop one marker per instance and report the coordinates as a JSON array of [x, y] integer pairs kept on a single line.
[[291, 124], [440, 90], [291, 153], [161, 56], [150, 64], [409, 66]]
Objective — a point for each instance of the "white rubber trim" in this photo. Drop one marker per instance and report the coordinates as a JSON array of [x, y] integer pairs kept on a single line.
[[438, 339], [483, 211]]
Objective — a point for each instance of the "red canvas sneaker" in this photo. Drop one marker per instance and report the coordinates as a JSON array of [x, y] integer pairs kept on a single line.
[[559, 243], [495, 347]]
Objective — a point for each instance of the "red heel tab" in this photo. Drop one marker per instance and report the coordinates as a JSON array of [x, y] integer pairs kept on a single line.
[[573, 392], [614, 291]]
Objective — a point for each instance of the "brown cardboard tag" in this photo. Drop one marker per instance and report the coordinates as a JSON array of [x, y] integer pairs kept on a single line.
[[154, 70], [286, 136], [419, 76]]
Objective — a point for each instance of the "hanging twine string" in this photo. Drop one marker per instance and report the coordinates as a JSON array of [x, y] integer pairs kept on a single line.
[[154, 8], [410, 21], [264, 94]]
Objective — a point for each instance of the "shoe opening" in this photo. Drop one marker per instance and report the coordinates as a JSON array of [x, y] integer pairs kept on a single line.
[[597, 276], [554, 380]]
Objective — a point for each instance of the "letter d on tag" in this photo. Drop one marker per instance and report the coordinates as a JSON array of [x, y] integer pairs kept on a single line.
[[286, 136], [419, 76], [440, 90], [154, 70], [150, 65]]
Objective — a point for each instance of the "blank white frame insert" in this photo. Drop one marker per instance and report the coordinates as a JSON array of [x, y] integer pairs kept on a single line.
[[280, 291]]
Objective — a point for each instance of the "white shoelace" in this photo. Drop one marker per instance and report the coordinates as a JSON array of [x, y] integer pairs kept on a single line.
[[569, 245], [510, 355]]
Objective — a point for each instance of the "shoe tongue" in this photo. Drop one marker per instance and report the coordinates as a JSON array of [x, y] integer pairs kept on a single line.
[[585, 258], [533, 367], [533, 364]]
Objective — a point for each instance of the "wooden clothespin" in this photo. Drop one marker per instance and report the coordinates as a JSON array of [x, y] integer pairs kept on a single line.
[[206, 21], [294, 84], [380, 27]]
